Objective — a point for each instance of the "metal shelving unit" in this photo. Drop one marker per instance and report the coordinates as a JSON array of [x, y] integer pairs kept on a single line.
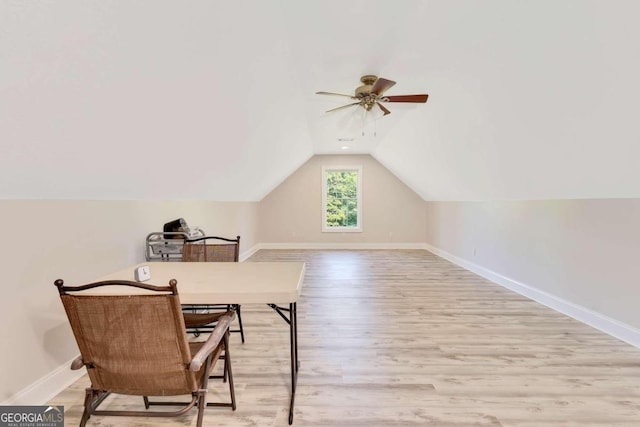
[[167, 246]]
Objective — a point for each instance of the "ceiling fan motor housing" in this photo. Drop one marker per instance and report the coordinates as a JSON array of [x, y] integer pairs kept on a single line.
[[368, 82]]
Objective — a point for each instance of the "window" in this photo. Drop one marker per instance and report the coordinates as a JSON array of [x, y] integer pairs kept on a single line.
[[342, 199]]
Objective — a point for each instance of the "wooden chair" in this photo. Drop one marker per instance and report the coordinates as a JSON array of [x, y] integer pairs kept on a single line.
[[199, 318], [137, 345]]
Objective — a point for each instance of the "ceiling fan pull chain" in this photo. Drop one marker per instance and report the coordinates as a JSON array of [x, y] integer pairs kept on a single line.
[[364, 120]]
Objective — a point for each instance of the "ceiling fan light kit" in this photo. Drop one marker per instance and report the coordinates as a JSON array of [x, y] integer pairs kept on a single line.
[[371, 94]]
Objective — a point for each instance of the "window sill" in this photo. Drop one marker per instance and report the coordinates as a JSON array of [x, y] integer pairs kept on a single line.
[[342, 230]]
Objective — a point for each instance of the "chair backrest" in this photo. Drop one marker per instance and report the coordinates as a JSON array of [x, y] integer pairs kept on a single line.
[[202, 250], [131, 344]]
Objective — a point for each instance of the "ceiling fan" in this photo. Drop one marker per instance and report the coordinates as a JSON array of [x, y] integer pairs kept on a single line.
[[372, 93]]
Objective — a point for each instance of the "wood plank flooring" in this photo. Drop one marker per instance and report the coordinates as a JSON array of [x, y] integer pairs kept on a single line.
[[405, 338]]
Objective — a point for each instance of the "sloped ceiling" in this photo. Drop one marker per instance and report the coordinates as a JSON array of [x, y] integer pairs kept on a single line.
[[163, 99]]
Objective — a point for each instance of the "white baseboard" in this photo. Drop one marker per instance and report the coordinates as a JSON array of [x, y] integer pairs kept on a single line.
[[47, 387], [613, 327], [341, 246], [247, 254]]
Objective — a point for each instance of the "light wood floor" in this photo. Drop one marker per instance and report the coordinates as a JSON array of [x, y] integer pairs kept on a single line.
[[404, 338]]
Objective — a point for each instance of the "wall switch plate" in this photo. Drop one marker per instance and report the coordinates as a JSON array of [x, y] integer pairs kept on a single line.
[[143, 273]]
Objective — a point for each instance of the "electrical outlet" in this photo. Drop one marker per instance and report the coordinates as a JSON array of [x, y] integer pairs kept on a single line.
[[143, 273]]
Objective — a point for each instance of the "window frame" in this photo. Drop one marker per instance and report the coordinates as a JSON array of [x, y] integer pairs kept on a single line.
[[358, 170]]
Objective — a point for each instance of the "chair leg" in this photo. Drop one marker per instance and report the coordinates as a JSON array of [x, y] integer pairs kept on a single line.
[[85, 418], [227, 368], [88, 397], [201, 406], [224, 368], [240, 322], [146, 402]]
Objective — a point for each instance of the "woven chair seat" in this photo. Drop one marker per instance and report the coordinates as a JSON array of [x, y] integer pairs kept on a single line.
[[194, 320]]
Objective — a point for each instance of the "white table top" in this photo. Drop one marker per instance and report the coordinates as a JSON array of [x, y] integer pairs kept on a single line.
[[219, 282]]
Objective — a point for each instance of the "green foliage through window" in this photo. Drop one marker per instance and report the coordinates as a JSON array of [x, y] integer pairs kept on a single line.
[[342, 199]]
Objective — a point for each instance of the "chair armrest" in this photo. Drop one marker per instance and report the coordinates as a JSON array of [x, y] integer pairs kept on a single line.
[[212, 342], [77, 363]]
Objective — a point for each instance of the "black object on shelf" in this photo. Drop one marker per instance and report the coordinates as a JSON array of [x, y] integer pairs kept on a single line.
[[174, 226]]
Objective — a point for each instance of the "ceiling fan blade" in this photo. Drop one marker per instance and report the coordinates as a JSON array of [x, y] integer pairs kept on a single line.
[[336, 94], [381, 86], [384, 110], [344, 106], [406, 98]]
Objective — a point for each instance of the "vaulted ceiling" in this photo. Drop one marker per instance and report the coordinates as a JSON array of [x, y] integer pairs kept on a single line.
[[212, 100]]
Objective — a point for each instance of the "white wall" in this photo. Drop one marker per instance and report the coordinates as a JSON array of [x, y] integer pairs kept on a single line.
[[586, 252], [292, 213], [78, 241]]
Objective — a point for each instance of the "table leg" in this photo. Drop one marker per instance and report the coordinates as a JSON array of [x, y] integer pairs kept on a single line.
[[295, 332], [292, 320], [295, 363]]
